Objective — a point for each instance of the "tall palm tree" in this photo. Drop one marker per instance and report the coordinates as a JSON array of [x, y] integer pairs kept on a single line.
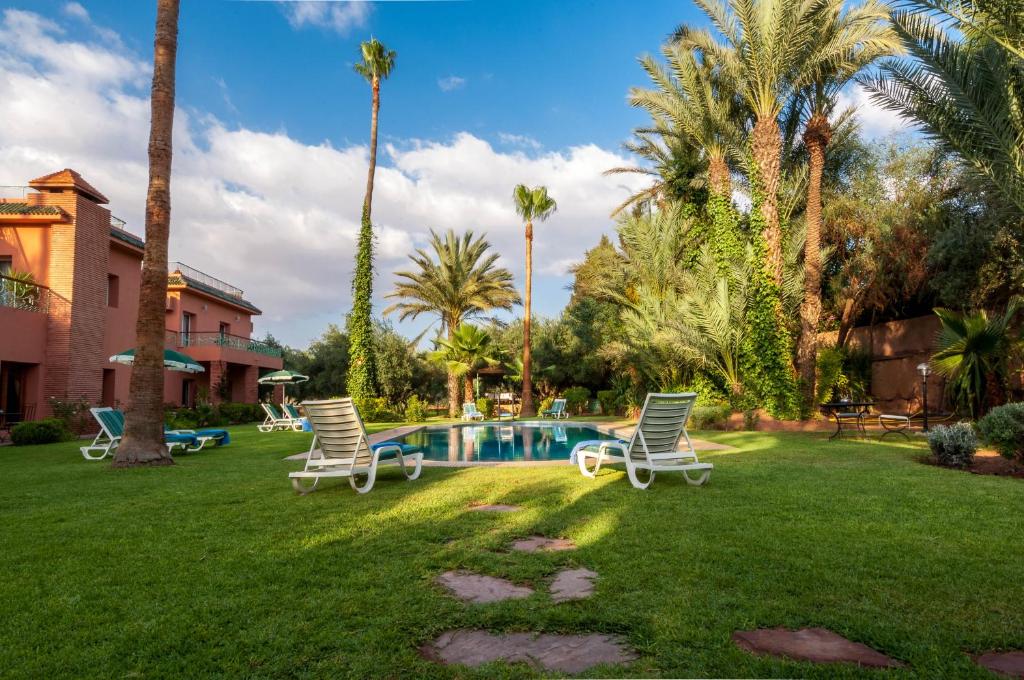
[[770, 51], [964, 86], [376, 65], [865, 32], [144, 426], [469, 349], [459, 281], [674, 163], [531, 205]]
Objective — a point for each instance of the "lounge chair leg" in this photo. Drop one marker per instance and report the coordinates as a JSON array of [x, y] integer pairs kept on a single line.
[[699, 481], [370, 477], [581, 460], [635, 481], [416, 471], [299, 486]]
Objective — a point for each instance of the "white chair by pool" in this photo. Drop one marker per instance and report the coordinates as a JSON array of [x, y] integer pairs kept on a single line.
[[276, 421], [471, 412], [345, 450], [653, 446]]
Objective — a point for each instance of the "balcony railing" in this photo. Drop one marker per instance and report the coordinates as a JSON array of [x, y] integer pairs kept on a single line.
[[206, 339], [204, 279], [25, 295]]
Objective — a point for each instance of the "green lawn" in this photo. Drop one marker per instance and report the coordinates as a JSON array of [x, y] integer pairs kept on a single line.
[[214, 566]]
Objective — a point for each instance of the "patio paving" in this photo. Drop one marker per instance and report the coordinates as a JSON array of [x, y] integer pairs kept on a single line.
[[811, 644], [1004, 663], [548, 652], [573, 584], [543, 544], [481, 589]]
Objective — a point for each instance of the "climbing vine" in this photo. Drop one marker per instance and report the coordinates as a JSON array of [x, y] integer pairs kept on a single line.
[[361, 370], [724, 231]]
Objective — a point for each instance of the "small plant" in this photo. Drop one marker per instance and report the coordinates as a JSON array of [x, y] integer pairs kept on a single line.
[[576, 399], [1003, 429], [45, 431], [485, 406], [709, 417], [953, 445], [415, 410], [751, 417], [609, 400], [74, 413]]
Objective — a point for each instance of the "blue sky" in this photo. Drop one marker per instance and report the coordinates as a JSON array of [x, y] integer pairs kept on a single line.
[[272, 127]]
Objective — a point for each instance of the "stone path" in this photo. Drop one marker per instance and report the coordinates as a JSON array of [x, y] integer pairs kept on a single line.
[[1007, 663], [543, 544], [811, 644], [573, 584], [557, 653], [496, 507], [481, 589]]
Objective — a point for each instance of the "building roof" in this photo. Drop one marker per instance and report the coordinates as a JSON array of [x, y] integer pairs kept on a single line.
[[127, 237], [68, 179], [179, 279], [26, 209]]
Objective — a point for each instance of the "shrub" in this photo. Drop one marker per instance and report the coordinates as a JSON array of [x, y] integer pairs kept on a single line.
[[237, 414], [415, 410], [545, 404], [709, 417], [576, 399], [74, 413], [953, 445], [751, 417], [45, 431], [376, 410], [1003, 429], [485, 406], [609, 400]]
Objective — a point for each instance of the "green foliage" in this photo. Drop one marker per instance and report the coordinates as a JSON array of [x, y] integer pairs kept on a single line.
[[485, 406], [377, 61], [545, 404], [415, 410], [609, 400], [45, 431], [1003, 429], [727, 242], [235, 413], [709, 417], [395, 361], [831, 379], [576, 399], [953, 445], [377, 410], [362, 367], [73, 413]]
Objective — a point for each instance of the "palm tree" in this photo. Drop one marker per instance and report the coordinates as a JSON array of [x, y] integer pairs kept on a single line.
[[467, 350], [966, 93], [376, 65], [458, 282], [531, 204], [674, 164], [973, 353], [867, 37], [144, 425]]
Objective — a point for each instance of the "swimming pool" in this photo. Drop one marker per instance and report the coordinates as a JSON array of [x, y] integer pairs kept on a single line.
[[494, 443]]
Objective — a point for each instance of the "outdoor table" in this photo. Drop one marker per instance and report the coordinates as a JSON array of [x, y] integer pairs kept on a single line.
[[847, 412]]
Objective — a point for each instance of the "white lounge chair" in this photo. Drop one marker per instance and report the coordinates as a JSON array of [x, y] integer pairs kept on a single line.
[[653, 446], [344, 450], [471, 412], [276, 421], [557, 410], [111, 422]]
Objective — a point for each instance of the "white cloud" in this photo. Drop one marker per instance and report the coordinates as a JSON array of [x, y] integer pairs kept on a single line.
[[74, 9], [449, 83], [875, 121], [341, 17], [273, 215], [524, 141]]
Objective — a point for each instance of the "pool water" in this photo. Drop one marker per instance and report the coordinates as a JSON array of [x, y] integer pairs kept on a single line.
[[500, 443]]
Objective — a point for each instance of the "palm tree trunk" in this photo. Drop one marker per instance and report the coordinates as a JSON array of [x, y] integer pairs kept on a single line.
[[143, 442], [766, 146], [718, 176], [467, 388], [361, 372], [454, 389], [816, 139], [526, 406]]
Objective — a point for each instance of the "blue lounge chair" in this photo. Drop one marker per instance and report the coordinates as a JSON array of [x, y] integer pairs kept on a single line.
[[557, 410], [111, 422]]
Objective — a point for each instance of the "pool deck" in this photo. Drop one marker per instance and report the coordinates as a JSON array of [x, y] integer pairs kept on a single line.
[[622, 429]]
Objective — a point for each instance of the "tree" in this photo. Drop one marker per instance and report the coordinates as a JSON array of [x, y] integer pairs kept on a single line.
[[469, 349], [862, 35], [459, 282], [143, 442], [674, 163], [531, 205], [376, 65]]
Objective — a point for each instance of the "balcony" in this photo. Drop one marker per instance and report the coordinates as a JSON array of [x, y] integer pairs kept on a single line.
[[223, 340], [25, 295]]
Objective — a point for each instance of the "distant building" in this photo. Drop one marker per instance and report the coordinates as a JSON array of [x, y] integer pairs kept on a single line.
[[58, 329]]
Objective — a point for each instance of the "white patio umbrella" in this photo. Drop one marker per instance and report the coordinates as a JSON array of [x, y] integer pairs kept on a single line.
[[283, 378]]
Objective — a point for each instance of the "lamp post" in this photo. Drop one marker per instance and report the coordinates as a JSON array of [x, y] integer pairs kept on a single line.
[[924, 370]]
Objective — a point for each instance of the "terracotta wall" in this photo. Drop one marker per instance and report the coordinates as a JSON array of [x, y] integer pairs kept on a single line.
[[125, 263]]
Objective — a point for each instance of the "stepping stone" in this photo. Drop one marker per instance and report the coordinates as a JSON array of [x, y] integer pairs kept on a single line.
[[1007, 663], [497, 507], [480, 589], [811, 644], [542, 544], [553, 653], [573, 584]]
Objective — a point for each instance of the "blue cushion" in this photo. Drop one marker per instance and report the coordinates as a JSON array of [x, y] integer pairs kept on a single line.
[[406, 448], [221, 436], [175, 438]]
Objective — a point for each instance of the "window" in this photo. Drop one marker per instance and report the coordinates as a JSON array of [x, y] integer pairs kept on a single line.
[[225, 328], [6, 264], [186, 328], [113, 287]]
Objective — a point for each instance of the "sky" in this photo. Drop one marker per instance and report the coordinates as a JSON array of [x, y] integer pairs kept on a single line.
[[272, 127]]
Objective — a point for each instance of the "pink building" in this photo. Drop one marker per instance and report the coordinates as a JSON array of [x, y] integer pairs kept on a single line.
[[77, 307]]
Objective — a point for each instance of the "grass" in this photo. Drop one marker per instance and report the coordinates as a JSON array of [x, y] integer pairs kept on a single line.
[[215, 567]]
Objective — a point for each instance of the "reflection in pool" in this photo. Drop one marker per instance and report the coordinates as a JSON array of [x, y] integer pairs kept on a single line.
[[498, 443]]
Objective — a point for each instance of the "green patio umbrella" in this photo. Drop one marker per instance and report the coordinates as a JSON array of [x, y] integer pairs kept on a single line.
[[283, 378], [174, 361]]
